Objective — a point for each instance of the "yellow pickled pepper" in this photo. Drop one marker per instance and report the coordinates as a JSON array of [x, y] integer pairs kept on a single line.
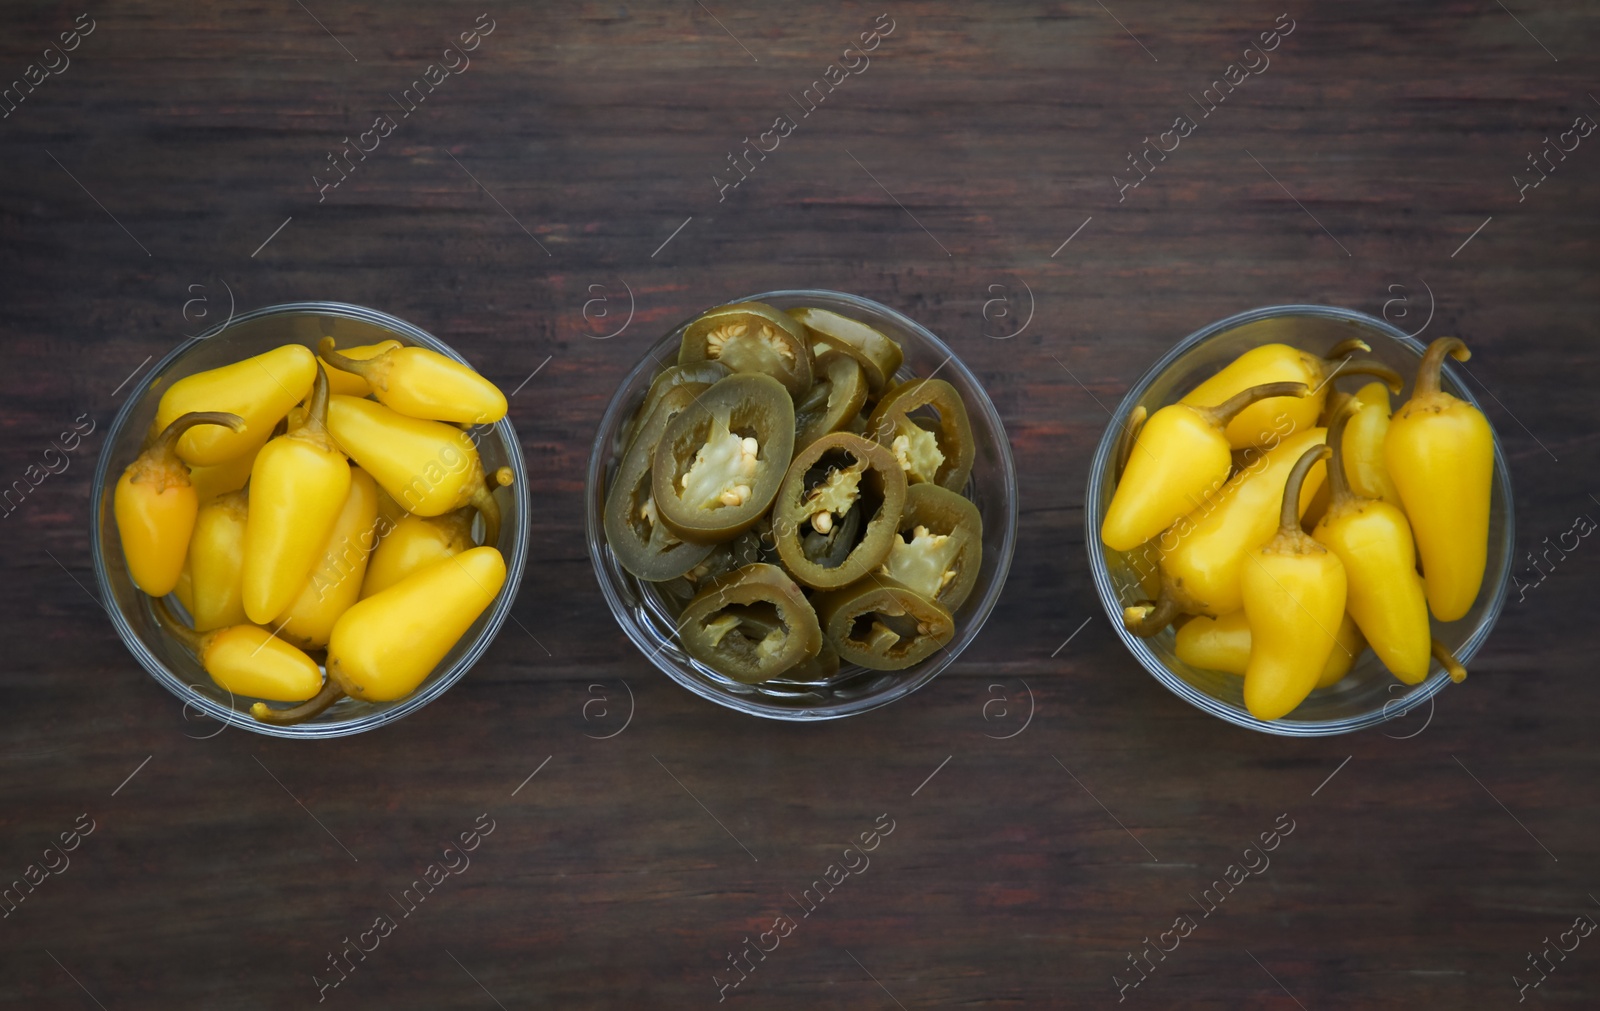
[[416, 541], [1373, 541], [421, 383], [155, 505], [1363, 446], [348, 383], [1203, 554], [1178, 461], [1224, 644], [211, 480], [259, 390], [384, 646], [1440, 455], [1270, 363], [297, 489], [216, 562], [336, 580], [1294, 596], [248, 660], [429, 468]]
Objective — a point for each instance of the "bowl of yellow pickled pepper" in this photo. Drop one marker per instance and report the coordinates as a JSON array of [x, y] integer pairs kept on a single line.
[[311, 520], [1300, 521], [801, 505]]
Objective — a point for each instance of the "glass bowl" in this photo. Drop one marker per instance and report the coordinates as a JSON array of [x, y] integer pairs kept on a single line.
[[1369, 694], [170, 662], [647, 616]]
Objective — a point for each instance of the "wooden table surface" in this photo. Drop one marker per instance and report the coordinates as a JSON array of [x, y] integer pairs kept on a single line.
[[1370, 158]]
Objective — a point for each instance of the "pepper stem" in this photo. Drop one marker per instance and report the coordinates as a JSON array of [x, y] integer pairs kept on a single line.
[[1368, 367], [1348, 346], [1224, 412], [1433, 361], [1441, 653], [1145, 620], [1339, 490], [165, 448], [1289, 518], [175, 628], [354, 366], [317, 408], [483, 500], [314, 706]]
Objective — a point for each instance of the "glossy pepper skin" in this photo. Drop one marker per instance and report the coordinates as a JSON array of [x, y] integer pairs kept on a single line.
[[714, 628], [336, 578], [259, 390], [348, 383], [1373, 541], [421, 383], [216, 479], [1294, 596], [1179, 460], [297, 488], [942, 454], [1440, 455], [1224, 644], [155, 505], [751, 337], [879, 624], [427, 467], [1363, 442], [1275, 363], [879, 356], [415, 542], [249, 661], [938, 549], [216, 563], [637, 537], [837, 396]]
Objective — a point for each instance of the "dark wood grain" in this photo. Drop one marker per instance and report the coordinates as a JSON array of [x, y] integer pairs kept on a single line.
[[978, 139]]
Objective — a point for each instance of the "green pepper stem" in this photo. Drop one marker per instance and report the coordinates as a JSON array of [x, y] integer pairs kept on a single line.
[[354, 366], [1348, 346], [1225, 412], [1433, 361], [165, 448], [314, 706], [1289, 518], [1442, 653], [1368, 367], [317, 409], [1339, 490], [1145, 620]]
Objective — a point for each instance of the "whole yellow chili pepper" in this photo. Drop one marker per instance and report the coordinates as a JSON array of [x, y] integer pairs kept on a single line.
[[248, 660], [335, 582], [1373, 541], [414, 542], [297, 489], [421, 383], [1294, 594], [1178, 461], [350, 384], [184, 591], [155, 506], [1440, 455], [211, 480], [259, 390], [1363, 446], [386, 645], [1271, 363], [1224, 644], [216, 561], [428, 467], [1203, 554]]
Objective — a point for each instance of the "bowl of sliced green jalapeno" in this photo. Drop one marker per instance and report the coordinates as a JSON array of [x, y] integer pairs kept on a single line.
[[801, 505]]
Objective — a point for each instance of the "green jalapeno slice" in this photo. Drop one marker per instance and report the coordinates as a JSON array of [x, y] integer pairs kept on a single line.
[[881, 625], [751, 337], [939, 451], [751, 625], [698, 377], [939, 545], [838, 475], [878, 355], [833, 400], [641, 543], [720, 462]]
